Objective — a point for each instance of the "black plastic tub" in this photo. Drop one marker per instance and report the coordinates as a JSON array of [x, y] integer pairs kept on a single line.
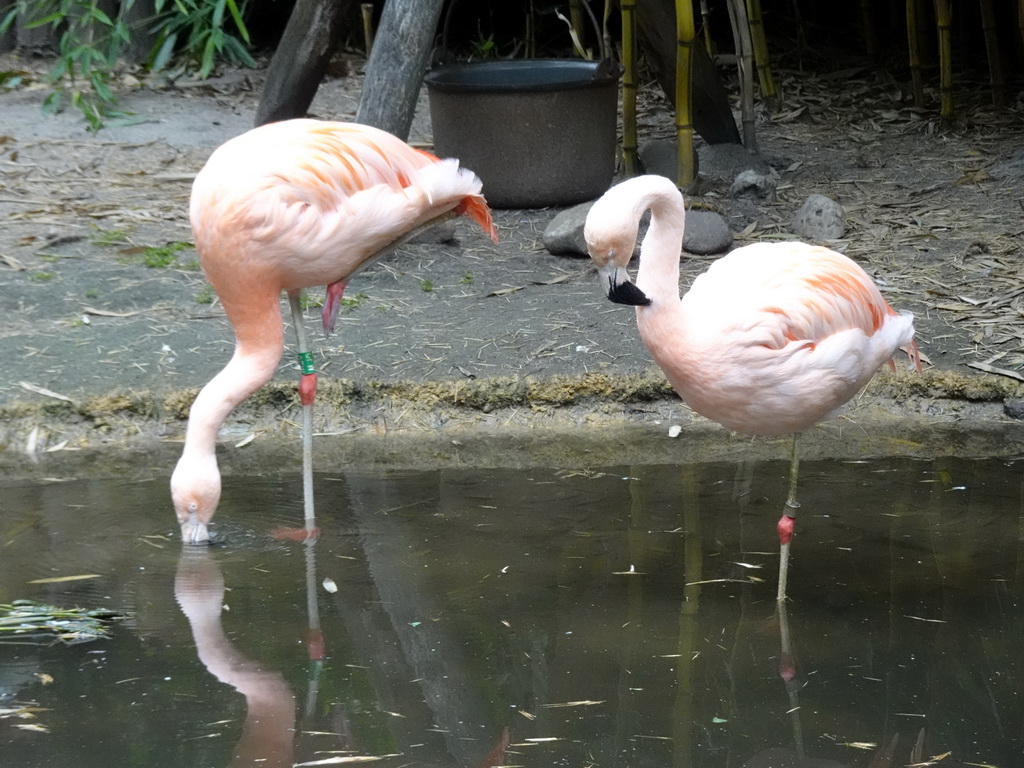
[[538, 132]]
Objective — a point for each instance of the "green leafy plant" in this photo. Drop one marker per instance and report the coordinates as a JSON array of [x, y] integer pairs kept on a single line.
[[197, 27], [201, 32], [89, 44], [205, 295], [41, 276], [426, 286]]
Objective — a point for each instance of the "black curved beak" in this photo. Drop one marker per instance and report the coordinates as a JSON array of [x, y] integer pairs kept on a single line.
[[621, 289]]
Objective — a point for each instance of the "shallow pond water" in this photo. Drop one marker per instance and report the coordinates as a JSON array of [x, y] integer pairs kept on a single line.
[[615, 617]]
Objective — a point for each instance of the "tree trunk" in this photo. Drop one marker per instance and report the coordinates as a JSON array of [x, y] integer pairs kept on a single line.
[[712, 114], [36, 39], [301, 58], [397, 63], [139, 17], [8, 39]]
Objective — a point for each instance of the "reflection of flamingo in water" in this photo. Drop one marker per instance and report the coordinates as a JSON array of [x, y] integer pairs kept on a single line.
[[284, 207], [269, 730], [268, 733], [772, 339]]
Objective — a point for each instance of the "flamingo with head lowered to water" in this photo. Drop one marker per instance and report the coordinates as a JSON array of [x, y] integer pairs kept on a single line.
[[284, 207]]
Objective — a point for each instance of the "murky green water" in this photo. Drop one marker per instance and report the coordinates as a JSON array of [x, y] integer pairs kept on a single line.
[[545, 611]]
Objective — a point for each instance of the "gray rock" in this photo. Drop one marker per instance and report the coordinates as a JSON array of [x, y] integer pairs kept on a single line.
[[1014, 408], [660, 157], [706, 232], [751, 183], [820, 218], [727, 161], [564, 235], [438, 234]]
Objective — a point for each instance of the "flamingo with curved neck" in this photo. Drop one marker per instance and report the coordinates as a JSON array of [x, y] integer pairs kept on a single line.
[[770, 340]]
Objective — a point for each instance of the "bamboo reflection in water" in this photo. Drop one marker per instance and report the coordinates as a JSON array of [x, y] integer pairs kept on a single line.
[[693, 569], [627, 718]]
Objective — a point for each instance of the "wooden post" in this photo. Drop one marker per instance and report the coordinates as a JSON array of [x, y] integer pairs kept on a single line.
[[397, 64], [301, 58]]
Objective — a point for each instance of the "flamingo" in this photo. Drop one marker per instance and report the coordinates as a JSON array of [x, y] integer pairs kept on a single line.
[[770, 340], [283, 207]]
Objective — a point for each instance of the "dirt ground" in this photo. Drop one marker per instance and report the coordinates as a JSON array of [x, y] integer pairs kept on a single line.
[[109, 328]]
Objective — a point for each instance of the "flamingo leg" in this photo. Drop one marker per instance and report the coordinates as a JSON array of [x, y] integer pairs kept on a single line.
[[307, 393], [788, 519]]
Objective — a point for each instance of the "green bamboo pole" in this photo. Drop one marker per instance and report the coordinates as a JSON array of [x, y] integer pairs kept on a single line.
[[761, 59], [914, 43], [995, 67], [944, 16], [629, 82], [366, 9], [685, 33]]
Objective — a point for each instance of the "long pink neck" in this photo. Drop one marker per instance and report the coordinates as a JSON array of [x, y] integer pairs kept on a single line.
[[258, 348], [658, 275], [661, 323]]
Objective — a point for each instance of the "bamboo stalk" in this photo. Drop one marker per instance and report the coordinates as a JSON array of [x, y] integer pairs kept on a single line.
[[606, 35], [944, 17], [367, 11], [685, 33], [914, 43], [995, 67], [576, 20], [870, 38], [801, 34], [531, 37], [741, 35], [705, 16], [1020, 18], [629, 83], [761, 58]]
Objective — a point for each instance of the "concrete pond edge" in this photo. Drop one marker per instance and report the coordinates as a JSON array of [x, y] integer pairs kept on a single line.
[[587, 420]]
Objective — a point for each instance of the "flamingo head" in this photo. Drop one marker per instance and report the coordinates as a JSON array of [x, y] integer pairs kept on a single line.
[[611, 241], [195, 490]]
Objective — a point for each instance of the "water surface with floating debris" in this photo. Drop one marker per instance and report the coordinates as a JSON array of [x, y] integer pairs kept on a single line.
[[622, 615]]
